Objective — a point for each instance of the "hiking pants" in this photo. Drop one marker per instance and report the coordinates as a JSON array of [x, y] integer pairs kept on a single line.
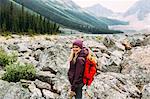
[[78, 92]]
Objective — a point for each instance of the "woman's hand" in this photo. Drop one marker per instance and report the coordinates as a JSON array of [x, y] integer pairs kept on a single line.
[[72, 93]]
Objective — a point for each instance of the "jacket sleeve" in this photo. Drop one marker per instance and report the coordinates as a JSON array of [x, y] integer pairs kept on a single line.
[[78, 73], [70, 74]]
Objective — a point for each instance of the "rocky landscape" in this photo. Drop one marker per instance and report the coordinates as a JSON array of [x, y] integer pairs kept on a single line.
[[123, 70]]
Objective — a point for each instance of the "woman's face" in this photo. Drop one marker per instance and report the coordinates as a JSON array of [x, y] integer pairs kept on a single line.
[[76, 49]]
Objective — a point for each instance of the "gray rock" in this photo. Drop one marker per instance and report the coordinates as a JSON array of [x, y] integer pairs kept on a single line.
[[111, 63], [116, 57], [94, 44], [15, 36], [136, 40], [23, 47], [42, 85], [45, 76], [54, 57], [13, 47], [13, 91], [35, 91], [146, 92], [60, 84], [137, 65], [40, 45], [109, 41], [114, 86], [2, 73], [49, 95], [119, 46], [146, 40], [36, 54]]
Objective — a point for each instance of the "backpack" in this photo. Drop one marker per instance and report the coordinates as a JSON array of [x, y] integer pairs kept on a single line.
[[90, 68]]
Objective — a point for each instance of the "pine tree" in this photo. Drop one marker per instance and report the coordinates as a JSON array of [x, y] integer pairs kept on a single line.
[[22, 19], [11, 17]]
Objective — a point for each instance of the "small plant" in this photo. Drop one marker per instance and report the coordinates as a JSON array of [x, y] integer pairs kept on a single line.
[[6, 59], [31, 33], [17, 71], [6, 34], [99, 38]]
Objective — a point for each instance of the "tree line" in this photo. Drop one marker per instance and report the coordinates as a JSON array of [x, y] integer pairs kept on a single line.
[[18, 19]]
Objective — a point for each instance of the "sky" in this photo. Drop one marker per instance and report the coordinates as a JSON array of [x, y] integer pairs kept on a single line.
[[114, 5]]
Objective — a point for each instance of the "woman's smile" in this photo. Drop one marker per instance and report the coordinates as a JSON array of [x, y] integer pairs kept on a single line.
[[76, 49]]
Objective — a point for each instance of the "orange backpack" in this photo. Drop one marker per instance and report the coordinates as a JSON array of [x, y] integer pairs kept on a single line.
[[90, 69]]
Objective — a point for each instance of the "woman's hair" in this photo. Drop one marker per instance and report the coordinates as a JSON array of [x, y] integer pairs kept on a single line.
[[90, 55], [71, 55]]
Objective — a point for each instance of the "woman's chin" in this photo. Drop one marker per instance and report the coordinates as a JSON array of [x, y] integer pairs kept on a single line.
[[76, 52]]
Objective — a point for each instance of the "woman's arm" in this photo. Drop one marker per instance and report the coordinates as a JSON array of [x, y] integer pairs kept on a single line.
[[78, 72]]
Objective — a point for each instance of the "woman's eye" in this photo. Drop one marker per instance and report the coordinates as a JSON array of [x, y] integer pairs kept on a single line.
[[74, 47]]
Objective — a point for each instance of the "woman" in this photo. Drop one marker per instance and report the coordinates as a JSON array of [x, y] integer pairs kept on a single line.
[[76, 70]]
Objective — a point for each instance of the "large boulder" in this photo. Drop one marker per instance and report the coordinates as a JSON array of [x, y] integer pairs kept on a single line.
[[13, 91], [109, 41], [146, 40], [114, 86], [136, 40], [111, 61], [146, 92], [49, 95], [137, 65], [57, 84], [36, 93], [42, 85], [55, 58]]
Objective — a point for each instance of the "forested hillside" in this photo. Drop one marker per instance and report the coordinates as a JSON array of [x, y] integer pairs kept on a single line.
[[16, 18]]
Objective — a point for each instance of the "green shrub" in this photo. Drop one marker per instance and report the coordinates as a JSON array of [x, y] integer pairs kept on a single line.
[[17, 71], [6, 34], [6, 59], [99, 38]]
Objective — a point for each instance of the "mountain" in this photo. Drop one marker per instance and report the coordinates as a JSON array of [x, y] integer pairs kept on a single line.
[[140, 9], [99, 10], [104, 15], [64, 3], [111, 22], [68, 14]]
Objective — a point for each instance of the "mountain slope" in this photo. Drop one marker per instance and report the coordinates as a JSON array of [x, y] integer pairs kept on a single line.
[[110, 22], [64, 3], [99, 10], [68, 15], [140, 9]]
